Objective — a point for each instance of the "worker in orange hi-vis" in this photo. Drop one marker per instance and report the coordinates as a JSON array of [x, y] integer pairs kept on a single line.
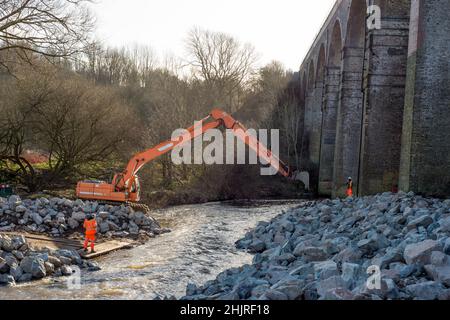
[[350, 187], [90, 226]]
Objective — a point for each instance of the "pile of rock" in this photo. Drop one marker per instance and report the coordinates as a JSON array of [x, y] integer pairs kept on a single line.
[[21, 263], [389, 246], [58, 217]]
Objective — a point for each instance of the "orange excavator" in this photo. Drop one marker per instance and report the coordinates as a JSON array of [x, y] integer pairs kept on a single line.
[[125, 185]]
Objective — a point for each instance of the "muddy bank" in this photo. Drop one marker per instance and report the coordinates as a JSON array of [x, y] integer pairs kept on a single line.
[[328, 250]]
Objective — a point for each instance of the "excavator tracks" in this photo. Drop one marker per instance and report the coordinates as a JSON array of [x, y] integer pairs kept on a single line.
[[139, 207]]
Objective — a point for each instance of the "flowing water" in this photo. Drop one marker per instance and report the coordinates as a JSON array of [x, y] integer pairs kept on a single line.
[[200, 246]]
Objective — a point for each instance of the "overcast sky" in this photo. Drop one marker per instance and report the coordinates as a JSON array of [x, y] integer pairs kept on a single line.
[[280, 30]]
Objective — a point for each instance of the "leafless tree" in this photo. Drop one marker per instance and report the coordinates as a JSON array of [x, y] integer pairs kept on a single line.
[[222, 62], [50, 28]]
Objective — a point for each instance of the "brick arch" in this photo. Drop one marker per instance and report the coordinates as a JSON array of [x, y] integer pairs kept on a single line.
[[356, 24], [311, 76], [335, 49], [321, 63]]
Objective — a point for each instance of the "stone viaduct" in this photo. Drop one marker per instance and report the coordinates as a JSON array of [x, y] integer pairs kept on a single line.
[[377, 98]]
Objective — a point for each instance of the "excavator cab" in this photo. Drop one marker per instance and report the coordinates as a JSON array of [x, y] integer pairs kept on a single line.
[[135, 190]]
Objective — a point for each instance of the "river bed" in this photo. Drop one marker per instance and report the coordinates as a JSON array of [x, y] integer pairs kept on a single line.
[[200, 246]]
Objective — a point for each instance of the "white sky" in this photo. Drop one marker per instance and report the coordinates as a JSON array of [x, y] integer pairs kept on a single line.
[[280, 30]]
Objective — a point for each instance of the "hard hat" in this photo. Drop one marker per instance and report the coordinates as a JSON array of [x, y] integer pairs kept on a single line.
[[350, 178]]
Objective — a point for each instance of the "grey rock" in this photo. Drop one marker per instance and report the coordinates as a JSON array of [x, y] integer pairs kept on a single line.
[[257, 246], [439, 258], [65, 260], [66, 270], [310, 254], [18, 254], [293, 289], [55, 261], [276, 295], [78, 216], [429, 290], [352, 255], [103, 227], [49, 268], [4, 267], [330, 284], [351, 272], [338, 294], [37, 218], [447, 246], [34, 266], [259, 290], [7, 280], [26, 277], [445, 224], [440, 274], [420, 253], [16, 272], [93, 266], [191, 289], [423, 221], [73, 224], [325, 270], [21, 209]]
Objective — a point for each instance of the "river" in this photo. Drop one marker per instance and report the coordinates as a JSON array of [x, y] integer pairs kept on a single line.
[[200, 246]]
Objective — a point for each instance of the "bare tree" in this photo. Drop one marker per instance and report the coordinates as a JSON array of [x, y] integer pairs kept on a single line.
[[50, 28], [72, 122], [222, 62]]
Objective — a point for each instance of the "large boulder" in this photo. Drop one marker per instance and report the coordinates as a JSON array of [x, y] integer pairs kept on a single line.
[[21, 209], [78, 216], [16, 272], [4, 267], [445, 224], [429, 290], [257, 246], [73, 224], [310, 254], [420, 253], [423, 221], [34, 266], [37, 218], [7, 280]]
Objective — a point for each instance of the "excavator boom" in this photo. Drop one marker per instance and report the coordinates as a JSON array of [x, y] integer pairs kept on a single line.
[[125, 186]]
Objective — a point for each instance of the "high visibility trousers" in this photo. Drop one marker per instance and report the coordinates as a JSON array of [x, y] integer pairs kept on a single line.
[[349, 192], [89, 238]]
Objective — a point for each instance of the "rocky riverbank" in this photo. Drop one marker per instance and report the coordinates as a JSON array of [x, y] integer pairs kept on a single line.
[[19, 262], [388, 246], [60, 217]]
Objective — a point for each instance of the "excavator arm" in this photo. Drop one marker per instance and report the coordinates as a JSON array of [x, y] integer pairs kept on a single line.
[[125, 187]]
